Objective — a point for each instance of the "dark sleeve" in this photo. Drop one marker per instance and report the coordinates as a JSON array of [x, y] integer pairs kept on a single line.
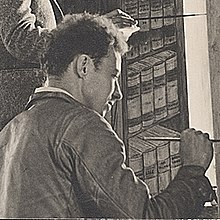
[[185, 196], [18, 30], [115, 190]]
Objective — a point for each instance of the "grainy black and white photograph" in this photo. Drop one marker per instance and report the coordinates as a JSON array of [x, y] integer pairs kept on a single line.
[[110, 109]]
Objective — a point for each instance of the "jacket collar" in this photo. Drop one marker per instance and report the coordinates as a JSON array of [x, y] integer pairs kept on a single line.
[[52, 89], [48, 94]]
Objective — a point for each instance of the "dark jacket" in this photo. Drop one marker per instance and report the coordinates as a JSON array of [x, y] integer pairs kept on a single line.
[[23, 37], [61, 159]]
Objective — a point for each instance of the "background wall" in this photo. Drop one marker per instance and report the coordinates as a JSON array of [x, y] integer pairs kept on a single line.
[[198, 70]]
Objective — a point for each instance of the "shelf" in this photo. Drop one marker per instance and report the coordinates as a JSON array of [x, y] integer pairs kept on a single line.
[[156, 123], [172, 46]]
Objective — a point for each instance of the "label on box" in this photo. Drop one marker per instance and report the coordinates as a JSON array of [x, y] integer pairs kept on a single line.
[[160, 97], [163, 165], [150, 171], [172, 91]]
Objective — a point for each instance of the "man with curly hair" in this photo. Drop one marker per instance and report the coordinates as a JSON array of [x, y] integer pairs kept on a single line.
[[24, 27], [61, 158]]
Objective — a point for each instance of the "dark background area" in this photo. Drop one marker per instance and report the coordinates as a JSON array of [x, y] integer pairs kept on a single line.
[[92, 6]]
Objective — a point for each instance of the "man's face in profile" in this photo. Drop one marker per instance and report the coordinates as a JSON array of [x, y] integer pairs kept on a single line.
[[103, 88]]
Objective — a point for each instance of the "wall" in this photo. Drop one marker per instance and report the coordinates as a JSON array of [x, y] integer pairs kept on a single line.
[[198, 70]]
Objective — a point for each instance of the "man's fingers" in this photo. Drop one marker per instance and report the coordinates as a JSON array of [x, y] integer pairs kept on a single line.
[[117, 12], [198, 132], [118, 16], [124, 20], [206, 135]]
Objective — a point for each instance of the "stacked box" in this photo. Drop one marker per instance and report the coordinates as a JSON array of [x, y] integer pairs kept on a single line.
[[175, 160], [157, 39], [144, 43], [144, 24], [172, 83], [156, 14], [131, 7], [163, 164], [170, 59], [147, 96], [150, 170], [133, 100], [175, 164], [149, 162], [136, 162], [163, 159], [133, 52], [152, 184], [169, 34], [144, 15], [169, 12], [160, 103], [168, 157], [160, 159]]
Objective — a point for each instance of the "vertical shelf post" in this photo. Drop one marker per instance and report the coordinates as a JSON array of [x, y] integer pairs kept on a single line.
[[213, 15]]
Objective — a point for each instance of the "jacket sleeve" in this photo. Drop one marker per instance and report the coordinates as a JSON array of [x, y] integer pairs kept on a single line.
[[186, 194], [20, 34], [118, 193]]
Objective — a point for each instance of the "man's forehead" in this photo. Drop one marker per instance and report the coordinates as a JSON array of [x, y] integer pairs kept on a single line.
[[115, 57]]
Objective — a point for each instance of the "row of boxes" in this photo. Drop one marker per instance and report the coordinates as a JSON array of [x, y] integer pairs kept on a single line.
[[151, 14], [152, 41], [152, 90], [155, 162]]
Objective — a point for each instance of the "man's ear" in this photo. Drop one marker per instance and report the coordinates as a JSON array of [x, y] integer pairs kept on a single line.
[[83, 63]]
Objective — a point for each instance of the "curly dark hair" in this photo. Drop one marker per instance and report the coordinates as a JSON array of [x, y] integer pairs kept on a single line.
[[81, 34]]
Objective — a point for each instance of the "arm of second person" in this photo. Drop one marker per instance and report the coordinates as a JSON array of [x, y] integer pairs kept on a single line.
[[19, 33]]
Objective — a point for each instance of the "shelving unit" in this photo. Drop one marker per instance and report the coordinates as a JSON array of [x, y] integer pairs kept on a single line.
[[155, 90], [177, 46]]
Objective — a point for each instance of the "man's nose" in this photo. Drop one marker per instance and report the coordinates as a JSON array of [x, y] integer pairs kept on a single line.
[[117, 95]]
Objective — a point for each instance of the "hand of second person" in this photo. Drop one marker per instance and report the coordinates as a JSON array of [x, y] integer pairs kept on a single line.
[[126, 24], [121, 18], [196, 148]]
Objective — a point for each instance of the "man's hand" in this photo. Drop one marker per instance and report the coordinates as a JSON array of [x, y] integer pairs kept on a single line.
[[126, 24], [196, 148]]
